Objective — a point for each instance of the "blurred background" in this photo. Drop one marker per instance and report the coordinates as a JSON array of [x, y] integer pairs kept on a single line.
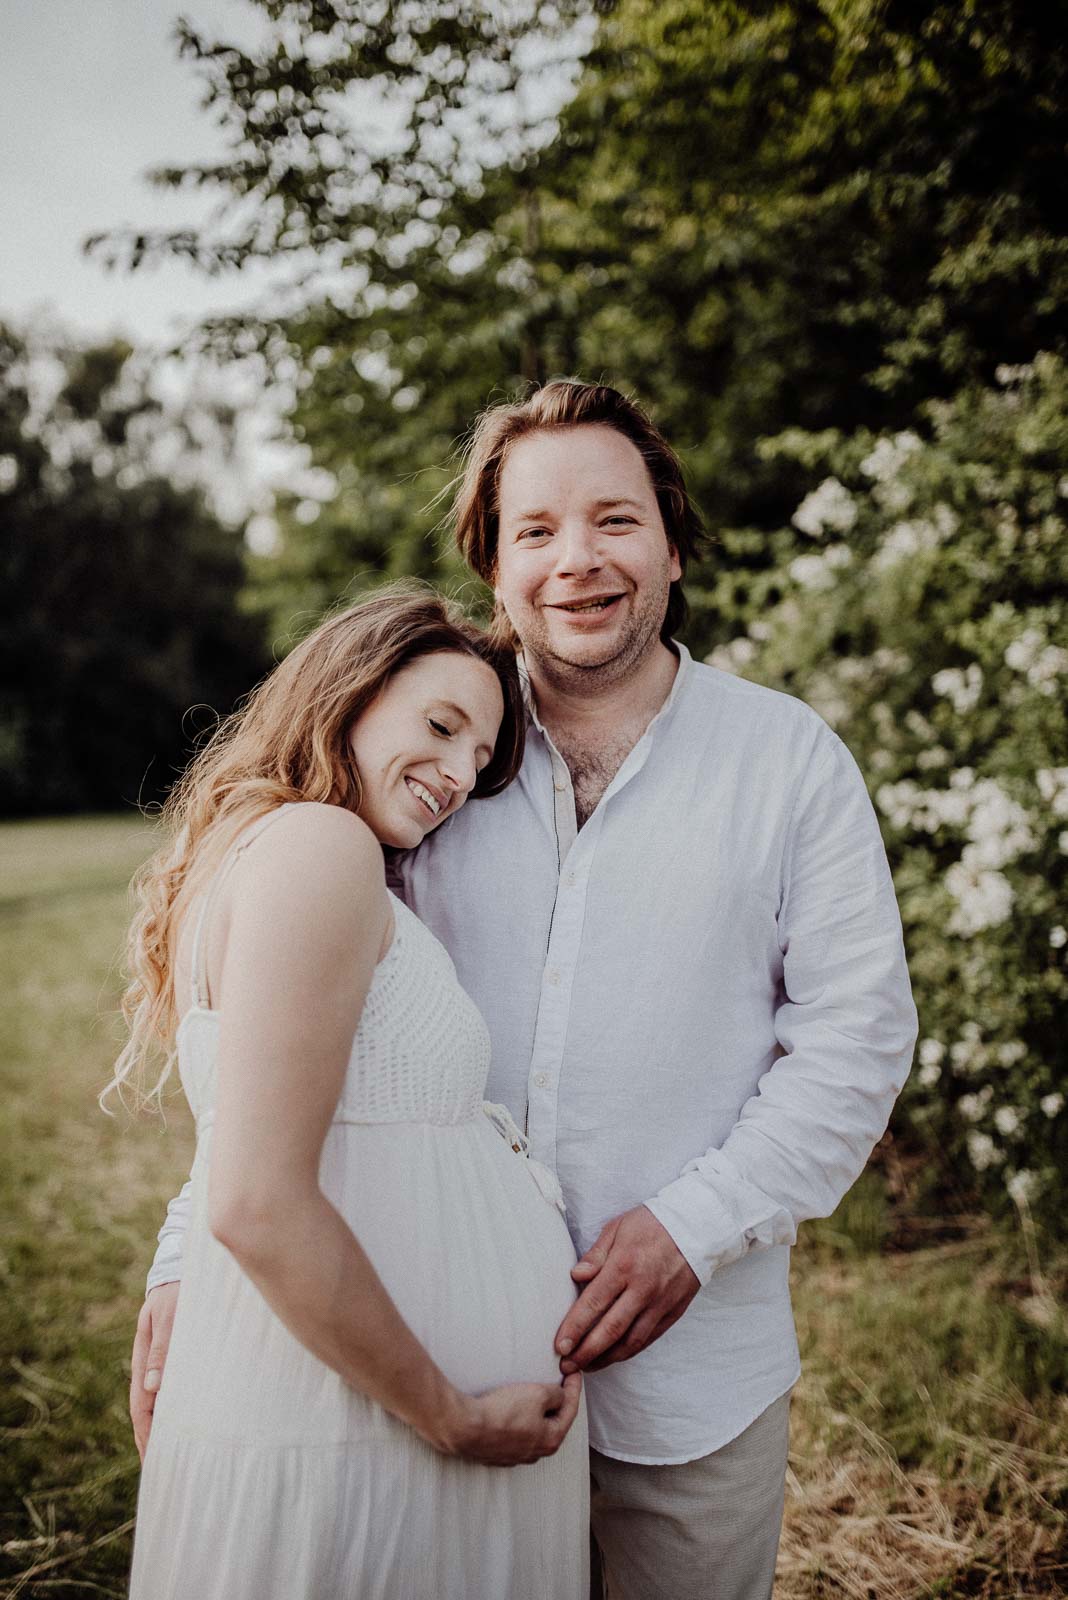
[[261, 267]]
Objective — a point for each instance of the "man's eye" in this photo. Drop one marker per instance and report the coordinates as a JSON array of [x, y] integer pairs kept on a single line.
[[628, 522], [533, 533], [439, 727]]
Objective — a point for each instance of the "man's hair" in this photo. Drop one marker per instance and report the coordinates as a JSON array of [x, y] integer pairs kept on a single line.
[[567, 403]]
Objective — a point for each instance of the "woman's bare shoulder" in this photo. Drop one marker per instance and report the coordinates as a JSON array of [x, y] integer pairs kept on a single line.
[[319, 848]]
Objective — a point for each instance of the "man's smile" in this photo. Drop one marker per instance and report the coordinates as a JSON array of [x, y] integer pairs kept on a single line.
[[588, 606]]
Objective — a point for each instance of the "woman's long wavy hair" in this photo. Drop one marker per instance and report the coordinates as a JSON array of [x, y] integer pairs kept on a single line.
[[289, 742]]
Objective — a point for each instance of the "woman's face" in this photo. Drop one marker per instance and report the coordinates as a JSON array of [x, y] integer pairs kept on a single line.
[[422, 742]]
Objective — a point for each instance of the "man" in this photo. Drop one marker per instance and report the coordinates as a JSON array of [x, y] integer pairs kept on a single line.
[[681, 929]]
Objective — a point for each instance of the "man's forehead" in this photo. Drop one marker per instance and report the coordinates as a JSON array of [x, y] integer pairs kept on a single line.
[[594, 459]]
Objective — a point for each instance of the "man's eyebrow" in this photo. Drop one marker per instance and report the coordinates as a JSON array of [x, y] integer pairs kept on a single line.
[[599, 504]]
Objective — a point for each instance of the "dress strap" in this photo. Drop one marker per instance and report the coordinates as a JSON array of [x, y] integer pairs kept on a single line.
[[198, 955]]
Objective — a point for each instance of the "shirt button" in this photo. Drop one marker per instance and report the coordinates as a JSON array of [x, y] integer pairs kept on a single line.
[[561, 788], [540, 1080], [552, 976], [570, 880]]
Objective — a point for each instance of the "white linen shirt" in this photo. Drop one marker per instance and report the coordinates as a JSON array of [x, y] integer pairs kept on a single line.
[[699, 1002]]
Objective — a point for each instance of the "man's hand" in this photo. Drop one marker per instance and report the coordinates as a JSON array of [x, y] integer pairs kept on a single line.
[[638, 1283], [150, 1345]]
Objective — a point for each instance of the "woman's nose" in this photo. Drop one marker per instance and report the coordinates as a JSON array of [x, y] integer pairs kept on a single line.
[[460, 772]]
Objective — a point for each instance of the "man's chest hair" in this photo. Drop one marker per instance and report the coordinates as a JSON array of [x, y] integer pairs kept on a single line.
[[592, 768]]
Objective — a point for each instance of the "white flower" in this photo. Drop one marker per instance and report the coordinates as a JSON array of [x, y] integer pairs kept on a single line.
[[9, 473], [946, 520], [830, 505], [887, 456], [983, 1151], [1053, 787], [963, 1055], [984, 898], [998, 828], [811, 572], [963, 688], [1007, 375], [972, 1106], [931, 1052], [1058, 937], [734, 656], [929, 1075], [905, 539], [1024, 648], [1022, 1186], [1007, 1120], [760, 631], [1052, 1104], [1049, 665], [1010, 1053]]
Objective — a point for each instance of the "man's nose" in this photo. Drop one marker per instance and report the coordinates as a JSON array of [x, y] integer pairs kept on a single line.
[[578, 551]]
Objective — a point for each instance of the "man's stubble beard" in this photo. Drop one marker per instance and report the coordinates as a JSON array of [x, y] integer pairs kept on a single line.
[[591, 677]]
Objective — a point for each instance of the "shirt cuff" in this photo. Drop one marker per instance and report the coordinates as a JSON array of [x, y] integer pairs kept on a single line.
[[710, 1230]]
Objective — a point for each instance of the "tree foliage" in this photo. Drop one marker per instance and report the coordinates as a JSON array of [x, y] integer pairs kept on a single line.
[[118, 587], [922, 606], [816, 213]]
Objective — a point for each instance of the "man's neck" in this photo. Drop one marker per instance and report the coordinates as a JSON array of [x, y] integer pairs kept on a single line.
[[577, 706]]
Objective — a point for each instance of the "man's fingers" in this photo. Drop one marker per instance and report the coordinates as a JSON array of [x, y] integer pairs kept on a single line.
[[588, 1309], [588, 1265], [608, 1330], [643, 1332]]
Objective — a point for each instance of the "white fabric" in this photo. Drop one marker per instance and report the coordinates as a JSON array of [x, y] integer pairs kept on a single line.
[[698, 1002], [266, 1474]]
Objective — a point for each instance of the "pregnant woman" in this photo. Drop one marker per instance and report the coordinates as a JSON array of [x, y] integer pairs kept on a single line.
[[361, 1398]]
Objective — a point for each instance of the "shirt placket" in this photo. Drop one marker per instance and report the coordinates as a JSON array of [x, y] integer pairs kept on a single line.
[[575, 852]]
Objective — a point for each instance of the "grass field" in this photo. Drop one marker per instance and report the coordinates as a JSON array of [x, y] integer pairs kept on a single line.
[[930, 1432]]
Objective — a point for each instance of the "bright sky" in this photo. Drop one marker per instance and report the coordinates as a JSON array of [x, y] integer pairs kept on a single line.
[[91, 94]]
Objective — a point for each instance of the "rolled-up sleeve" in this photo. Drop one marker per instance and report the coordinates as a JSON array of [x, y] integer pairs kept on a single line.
[[845, 1026]]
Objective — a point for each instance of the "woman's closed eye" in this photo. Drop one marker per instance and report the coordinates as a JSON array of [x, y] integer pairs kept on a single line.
[[440, 728]]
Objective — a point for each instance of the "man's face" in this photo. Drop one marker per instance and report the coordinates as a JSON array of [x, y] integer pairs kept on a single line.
[[583, 562]]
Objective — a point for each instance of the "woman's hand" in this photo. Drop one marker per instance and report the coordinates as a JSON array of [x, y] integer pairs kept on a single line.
[[153, 1335], [515, 1424]]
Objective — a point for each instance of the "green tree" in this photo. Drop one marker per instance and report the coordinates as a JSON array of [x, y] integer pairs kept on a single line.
[[757, 216], [118, 588]]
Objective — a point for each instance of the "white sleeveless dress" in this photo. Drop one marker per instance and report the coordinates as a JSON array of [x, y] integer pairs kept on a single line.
[[267, 1477]]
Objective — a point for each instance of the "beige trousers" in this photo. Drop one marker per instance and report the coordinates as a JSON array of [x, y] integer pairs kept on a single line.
[[705, 1530]]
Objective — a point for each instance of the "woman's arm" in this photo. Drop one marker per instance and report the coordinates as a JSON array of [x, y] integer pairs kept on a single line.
[[308, 920]]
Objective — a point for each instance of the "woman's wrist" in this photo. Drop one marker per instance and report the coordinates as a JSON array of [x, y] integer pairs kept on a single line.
[[452, 1422]]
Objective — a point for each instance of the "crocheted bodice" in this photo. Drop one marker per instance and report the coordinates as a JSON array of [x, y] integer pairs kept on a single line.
[[421, 1051]]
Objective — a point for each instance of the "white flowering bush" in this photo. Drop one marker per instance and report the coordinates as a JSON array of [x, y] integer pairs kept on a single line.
[[920, 603]]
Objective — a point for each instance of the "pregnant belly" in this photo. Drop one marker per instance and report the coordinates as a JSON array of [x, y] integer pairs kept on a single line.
[[476, 1259]]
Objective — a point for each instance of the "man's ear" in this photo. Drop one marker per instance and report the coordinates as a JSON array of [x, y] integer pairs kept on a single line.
[[676, 564]]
